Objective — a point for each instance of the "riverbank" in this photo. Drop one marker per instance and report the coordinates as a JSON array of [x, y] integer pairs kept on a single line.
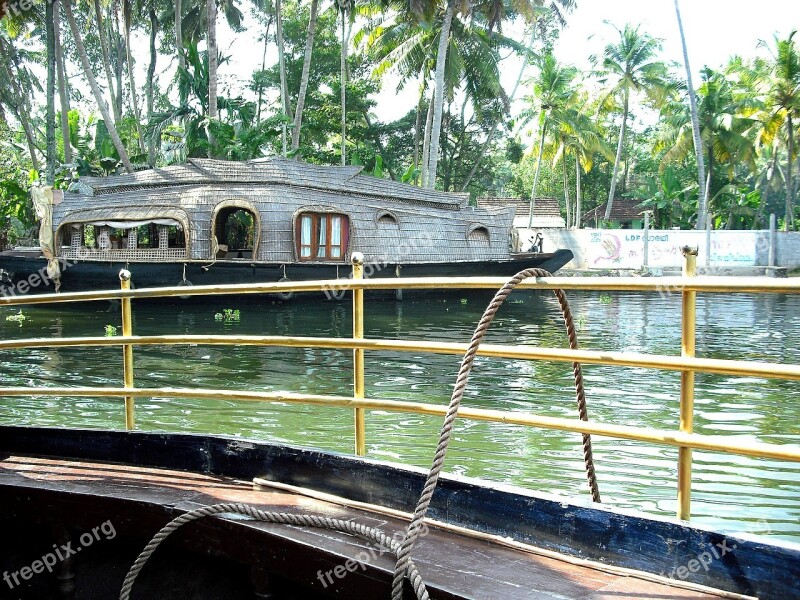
[[777, 272]]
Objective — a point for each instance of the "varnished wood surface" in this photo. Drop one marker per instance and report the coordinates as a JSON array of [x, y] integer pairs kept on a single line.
[[140, 500]]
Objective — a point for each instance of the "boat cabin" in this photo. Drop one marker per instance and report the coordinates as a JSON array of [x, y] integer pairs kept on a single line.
[[272, 211]]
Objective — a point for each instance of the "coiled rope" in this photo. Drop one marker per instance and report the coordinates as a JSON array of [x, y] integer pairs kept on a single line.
[[369, 534], [404, 566], [412, 533]]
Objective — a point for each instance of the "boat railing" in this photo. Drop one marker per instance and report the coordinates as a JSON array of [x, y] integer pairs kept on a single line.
[[687, 364], [124, 254]]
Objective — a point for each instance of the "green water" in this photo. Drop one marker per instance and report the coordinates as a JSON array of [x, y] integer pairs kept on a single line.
[[729, 492]]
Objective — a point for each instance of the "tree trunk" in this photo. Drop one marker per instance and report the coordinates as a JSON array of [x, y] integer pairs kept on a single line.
[[179, 34], [151, 75], [577, 193], [119, 66], [418, 128], [789, 219], [438, 96], [50, 118], [618, 159], [87, 70], [301, 96], [566, 191], [62, 84], [20, 110], [426, 144], [126, 14], [263, 68], [536, 173], [343, 85], [211, 11], [98, 15], [702, 207], [282, 69], [496, 124]]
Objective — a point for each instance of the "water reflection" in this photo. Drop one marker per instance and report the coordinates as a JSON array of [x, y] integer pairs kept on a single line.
[[730, 491]]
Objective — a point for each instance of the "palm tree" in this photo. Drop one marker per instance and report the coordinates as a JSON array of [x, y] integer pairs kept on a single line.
[[412, 51], [98, 96], [301, 96], [438, 92], [535, 14], [784, 98], [727, 126], [127, 15], [152, 14], [282, 70], [16, 91], [213, 59], [62, 83], [345, 8], [50, 118], [632, 66], [578, 135], [552, 92], [179, 34], [702, 204], [101, 32]]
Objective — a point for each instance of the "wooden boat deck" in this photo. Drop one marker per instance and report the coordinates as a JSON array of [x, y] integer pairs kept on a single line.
[[139, 500]]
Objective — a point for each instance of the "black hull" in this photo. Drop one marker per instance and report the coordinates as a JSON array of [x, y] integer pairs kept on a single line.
[[91, 275], [624, 539]]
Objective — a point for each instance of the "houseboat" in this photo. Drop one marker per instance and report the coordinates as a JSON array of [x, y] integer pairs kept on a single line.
[[211, 222]]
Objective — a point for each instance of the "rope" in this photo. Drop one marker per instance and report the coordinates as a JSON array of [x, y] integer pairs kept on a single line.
[[412, 534], [362, 531]]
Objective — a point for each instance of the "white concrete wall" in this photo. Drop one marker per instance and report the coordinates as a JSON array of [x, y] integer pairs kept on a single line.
[[625, 248]]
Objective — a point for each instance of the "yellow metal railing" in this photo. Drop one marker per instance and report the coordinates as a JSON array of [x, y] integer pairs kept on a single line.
[[687, 364]]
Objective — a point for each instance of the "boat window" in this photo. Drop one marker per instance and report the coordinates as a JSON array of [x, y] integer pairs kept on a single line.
[[235, 230], [479, 234], [322, 236], [386, 219]]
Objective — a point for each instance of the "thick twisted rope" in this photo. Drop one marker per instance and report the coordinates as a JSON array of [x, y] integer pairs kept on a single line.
[[580, 394], [412, 534], [369, 534]]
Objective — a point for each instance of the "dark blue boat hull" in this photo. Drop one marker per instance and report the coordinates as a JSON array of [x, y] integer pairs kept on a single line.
[[744, 565]]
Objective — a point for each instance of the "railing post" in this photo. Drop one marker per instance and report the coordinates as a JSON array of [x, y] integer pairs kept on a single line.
[[358, 354], [688, 327], [127, 349]]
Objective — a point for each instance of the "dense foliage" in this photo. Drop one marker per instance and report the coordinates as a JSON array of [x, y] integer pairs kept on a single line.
[[589, 141]]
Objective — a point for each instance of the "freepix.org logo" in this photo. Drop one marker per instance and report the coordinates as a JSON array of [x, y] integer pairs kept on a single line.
[[60, 552], [15, 8]]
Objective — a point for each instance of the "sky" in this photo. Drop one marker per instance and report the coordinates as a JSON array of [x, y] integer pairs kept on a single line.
[[715, 29]]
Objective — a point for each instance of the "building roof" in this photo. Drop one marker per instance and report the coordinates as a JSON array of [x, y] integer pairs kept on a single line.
[[544, 207], [623, 209]]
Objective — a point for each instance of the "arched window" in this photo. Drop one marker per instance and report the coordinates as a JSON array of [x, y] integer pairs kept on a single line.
[[236, 227], [478, 234], [386, 219], [322, 236]]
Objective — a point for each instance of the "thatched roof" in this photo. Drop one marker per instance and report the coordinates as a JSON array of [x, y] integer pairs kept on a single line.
[[201, 171]]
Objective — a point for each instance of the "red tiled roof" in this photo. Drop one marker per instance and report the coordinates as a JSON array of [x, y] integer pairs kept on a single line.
[[544, 207], [623, 209]]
